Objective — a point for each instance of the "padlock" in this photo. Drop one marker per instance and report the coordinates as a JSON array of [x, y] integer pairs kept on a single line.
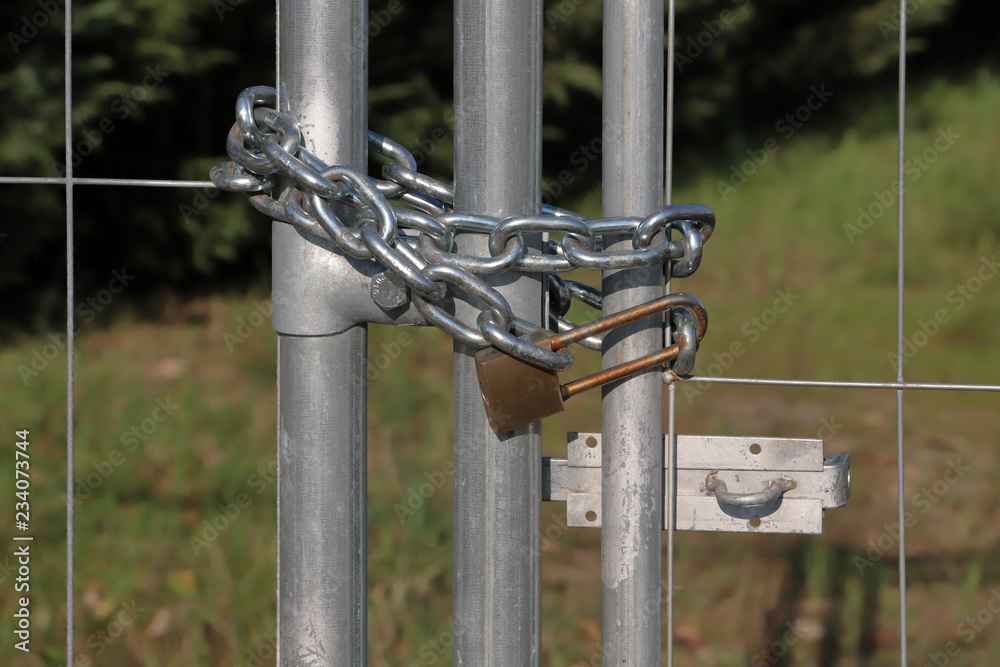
[[517, 393]]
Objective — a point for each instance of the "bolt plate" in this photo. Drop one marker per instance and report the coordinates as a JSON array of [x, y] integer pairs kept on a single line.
[[746, 464]]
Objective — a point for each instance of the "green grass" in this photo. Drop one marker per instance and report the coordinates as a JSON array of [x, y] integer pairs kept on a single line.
[[212, 603]]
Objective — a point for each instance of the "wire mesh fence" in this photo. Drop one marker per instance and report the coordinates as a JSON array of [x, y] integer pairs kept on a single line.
[[701, 382]]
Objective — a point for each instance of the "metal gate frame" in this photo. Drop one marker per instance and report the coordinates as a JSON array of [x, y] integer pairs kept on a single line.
[[322, 52], [322, 582]]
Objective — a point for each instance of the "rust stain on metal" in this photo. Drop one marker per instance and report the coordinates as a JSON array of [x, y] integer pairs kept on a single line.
[[631, 315], [516, 393], [620, 371]]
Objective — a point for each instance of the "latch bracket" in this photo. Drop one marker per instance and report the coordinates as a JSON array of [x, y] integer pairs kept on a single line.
[[723, 483]]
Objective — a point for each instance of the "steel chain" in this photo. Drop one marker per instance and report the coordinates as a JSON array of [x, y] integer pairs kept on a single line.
[[265, 145]]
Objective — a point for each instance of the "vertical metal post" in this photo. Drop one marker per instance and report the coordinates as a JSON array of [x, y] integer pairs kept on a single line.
[[322, 400], [670, 480], [631, 410], [497, 480]]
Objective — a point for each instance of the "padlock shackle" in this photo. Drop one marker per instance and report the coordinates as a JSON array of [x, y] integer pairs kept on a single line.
[[666, 302], [620, 371], [670, 301]]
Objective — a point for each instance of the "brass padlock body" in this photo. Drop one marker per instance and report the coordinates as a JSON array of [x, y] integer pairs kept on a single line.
[[516, 393]]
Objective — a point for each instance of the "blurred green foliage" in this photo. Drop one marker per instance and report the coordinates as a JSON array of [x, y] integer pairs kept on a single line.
[[205, 584], [154, 84]]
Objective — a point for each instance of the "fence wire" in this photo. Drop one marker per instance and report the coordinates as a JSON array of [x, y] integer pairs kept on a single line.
[[70, 323], [900, 266], [69, 181]]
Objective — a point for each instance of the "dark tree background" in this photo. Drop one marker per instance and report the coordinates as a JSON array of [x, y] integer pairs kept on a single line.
[[155, 83]]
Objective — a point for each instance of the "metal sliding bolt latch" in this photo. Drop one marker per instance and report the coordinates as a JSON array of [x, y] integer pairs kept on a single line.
[[723, 483]]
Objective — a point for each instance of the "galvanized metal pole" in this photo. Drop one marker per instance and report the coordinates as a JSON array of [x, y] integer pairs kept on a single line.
[[632, 411], [670, 479], [497, 480], [322, 401]]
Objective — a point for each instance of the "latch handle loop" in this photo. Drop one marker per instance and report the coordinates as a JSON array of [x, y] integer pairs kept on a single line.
[[775, 490]]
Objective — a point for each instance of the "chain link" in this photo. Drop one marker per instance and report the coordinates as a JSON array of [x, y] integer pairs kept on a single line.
[[265, 145]]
